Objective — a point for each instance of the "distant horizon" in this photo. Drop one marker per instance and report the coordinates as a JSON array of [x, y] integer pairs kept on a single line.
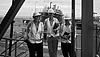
[[31, 17]]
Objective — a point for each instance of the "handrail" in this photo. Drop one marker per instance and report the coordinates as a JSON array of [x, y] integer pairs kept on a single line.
[[21, 53], [4, 55], [13, 39], [17, 46], [12, 44], [26, 55]]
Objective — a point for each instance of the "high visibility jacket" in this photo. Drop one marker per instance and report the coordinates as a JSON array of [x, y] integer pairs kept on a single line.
[[35, 34], [52, 30], [66, 31]]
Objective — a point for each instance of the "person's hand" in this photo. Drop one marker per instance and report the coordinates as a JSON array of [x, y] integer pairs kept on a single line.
[[64, 37]]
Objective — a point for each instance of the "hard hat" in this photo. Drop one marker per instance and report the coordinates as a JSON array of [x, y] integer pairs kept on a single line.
[[36, 14], [51, 11], [59, 12]]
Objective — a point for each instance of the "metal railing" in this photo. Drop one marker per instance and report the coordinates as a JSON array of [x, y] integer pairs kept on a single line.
[[13, 48]]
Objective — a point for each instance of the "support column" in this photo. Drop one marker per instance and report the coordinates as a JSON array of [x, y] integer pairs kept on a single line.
[[73, 30], [11, 33], [87, 29]]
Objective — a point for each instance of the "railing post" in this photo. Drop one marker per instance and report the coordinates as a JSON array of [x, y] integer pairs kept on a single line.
[[96, 39], [6, 45], [73, 30], [11, 33], [10, 42], [16, 50]]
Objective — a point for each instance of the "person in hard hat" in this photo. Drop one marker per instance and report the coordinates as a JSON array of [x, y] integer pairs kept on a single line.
[[66, 38], [52, 25], [59, 15], [34, 33]]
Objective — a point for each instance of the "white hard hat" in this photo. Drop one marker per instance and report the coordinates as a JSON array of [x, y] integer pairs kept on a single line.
[[51, 11], [59, 12], [36, 14]]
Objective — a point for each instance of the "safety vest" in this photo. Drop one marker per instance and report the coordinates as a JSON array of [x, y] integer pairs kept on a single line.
[[66, 30], [50, 28], [35, 34]]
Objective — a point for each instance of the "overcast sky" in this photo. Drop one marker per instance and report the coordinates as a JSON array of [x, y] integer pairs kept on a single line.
[[29, 6]]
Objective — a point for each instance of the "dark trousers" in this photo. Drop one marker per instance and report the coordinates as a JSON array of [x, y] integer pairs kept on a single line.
[[66, 49], [52, 46], [36, 48]]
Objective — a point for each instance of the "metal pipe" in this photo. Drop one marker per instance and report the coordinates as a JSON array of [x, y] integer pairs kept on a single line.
[[18, 46], [10, 42], [14, 39], [73, 30], [96, 40], [12, 45], [16, 50], [4, 55], [6, 45], [11, 33]]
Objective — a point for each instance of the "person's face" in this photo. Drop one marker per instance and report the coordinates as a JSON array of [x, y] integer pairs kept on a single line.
[[67, 23], [51, 16], [37, 18]]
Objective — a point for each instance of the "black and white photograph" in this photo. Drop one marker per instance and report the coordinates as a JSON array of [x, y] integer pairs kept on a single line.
[[49, 28]]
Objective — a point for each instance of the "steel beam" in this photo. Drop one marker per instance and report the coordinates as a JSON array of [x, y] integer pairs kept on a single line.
[[11, 34], [73, 30], [87, 29], [10, 16]]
